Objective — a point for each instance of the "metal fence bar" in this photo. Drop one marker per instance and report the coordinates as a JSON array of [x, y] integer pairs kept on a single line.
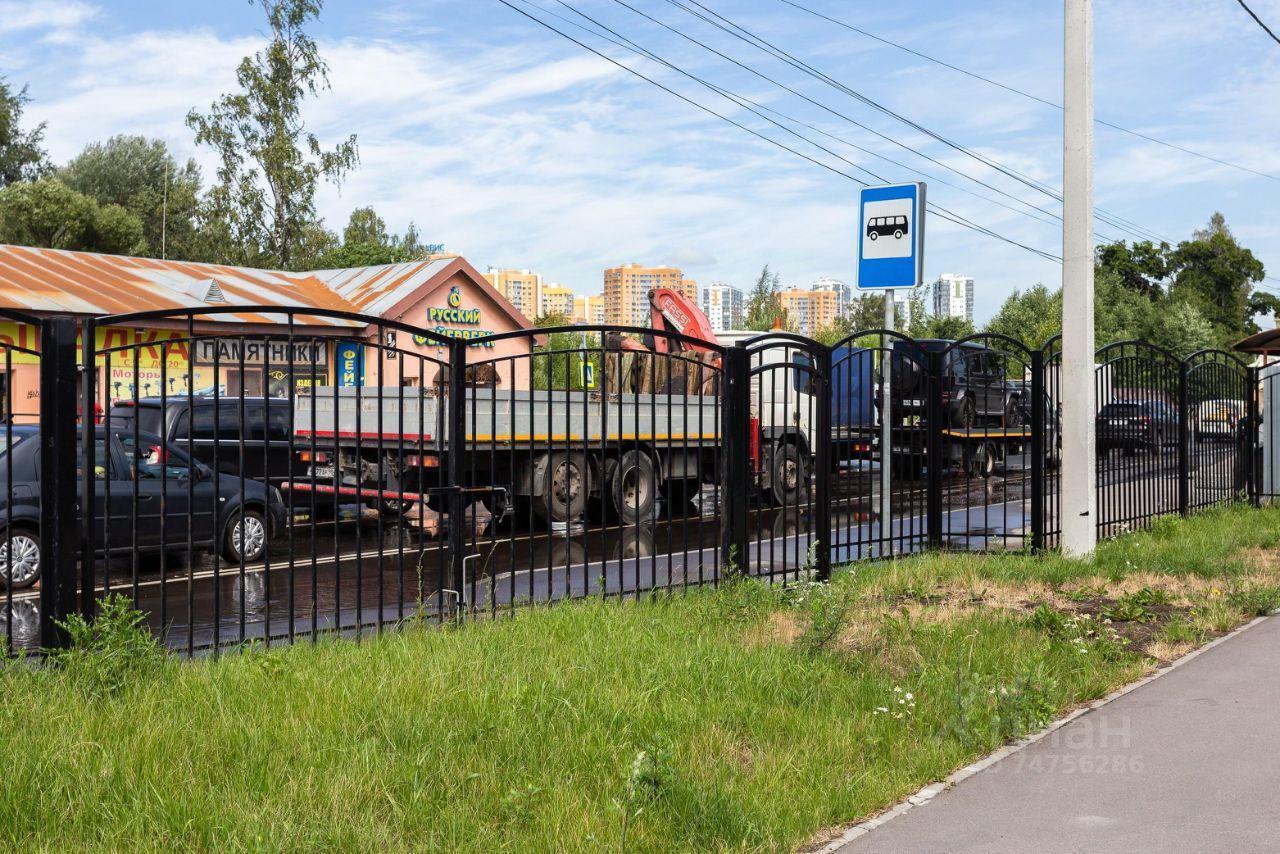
[[58, 513]]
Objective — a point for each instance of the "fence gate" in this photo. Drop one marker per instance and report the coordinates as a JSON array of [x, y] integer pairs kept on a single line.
[[592, 464], [1219, 397], [251, 486]]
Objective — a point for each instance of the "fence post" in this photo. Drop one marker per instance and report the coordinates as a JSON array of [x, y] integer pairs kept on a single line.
[[1037, 450], [934, 418], [822, 461], [1252, 437], [88, 497], [1184, 442], [59, 516], [735, 451], [457, 427]]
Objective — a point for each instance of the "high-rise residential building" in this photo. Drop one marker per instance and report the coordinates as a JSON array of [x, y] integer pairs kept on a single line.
[[523, 288], [626, 291], [844, 293], [724, 305], [809, 311], [905, 303], [556, 299], [588, 309], [951, 295]]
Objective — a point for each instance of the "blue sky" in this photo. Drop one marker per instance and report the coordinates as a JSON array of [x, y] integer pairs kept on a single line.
[[516, 148]]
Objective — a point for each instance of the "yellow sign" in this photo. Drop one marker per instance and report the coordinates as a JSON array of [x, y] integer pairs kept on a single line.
[[147, 344]]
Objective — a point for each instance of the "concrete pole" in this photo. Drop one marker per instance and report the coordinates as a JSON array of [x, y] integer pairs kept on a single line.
[[886, 431], [1079, 459]]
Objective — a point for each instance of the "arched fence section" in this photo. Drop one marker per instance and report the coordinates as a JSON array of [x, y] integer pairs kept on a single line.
[[256, 474]]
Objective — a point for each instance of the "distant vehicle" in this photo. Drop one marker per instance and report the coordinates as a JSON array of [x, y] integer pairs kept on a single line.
[[231, 516], [974, 391], [883, 226], [1218, 419], [1135, 425]]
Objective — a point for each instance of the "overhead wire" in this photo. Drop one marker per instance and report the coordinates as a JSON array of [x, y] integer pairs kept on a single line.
[[1016, 91], [944, 213], [741, 33], [1258, 21]]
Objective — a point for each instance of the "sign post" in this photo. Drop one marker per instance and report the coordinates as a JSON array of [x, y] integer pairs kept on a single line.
[[890, 256]]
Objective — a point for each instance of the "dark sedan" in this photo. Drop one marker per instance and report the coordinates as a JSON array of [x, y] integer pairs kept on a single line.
[[1142, 424], [232, 516]]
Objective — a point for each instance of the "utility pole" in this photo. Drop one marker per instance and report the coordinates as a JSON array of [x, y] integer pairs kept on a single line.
[[1079, 460]]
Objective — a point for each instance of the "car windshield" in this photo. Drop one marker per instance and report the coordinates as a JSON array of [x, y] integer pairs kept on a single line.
[[150, 419], [1120, 410]]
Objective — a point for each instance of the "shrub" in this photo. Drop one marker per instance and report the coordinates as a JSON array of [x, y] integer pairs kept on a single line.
[[105, 653], [1255, 600]]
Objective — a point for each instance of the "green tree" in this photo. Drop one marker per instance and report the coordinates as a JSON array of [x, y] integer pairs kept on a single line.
[[366, 242], [1143, 267], [764, 304], [269, 164], [558, 365], [947, 327], [141, 176], [1214, 273], [866, 311], [21, 156], [50, 214], [1031, 317]]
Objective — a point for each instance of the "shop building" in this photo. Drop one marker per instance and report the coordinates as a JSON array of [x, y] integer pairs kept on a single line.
[[254, 353]]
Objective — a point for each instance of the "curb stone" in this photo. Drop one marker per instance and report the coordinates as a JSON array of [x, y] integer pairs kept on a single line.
[[925, 795]]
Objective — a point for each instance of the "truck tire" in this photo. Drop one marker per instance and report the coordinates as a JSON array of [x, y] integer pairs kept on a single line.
[[982, 460], [789, 478], [633, 488], [564, 495]]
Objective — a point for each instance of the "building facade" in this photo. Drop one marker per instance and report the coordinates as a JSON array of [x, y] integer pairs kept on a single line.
[[724, 305], [556, 299], [809, 311], [842, 290], [589, 309], [522, 288], [626, 291], [951, 295]]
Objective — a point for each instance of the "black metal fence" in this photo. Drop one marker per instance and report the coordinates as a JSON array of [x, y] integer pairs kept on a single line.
[[343, 473]]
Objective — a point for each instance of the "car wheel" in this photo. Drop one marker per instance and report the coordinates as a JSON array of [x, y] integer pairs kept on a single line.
[[255, 536], [564, 496], [789, 477], [633, 487], [968, 414], [23, 570]]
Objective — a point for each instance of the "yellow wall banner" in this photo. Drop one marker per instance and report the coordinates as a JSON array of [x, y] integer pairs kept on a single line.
[[147, 343]]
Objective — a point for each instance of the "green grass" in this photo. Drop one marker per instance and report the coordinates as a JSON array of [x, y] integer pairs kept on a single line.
[[740, 719]]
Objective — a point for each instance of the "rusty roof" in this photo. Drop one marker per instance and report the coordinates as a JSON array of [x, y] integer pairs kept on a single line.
[[59, 280]]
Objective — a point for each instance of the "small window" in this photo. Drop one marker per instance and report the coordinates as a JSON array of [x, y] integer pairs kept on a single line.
[[802, 373]]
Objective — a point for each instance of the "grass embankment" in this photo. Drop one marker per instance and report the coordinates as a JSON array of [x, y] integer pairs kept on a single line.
[[744, 718]]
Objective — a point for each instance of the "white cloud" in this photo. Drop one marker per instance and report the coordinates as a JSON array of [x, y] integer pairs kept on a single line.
[[16, 15]]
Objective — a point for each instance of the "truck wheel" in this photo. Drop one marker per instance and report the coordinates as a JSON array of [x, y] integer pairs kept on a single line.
[[395, 506], [789, 477], [633, 487], [982, 461], [565, 495]]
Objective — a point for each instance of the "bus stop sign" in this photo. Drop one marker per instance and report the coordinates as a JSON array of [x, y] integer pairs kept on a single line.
[[891, 236]]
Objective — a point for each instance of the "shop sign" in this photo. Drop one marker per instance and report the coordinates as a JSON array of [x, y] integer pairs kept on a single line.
[[235, 351], [350, 356], [454, 313]]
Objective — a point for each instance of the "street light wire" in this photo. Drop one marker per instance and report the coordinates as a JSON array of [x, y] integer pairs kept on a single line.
[[1045, 101], [1256, 20]]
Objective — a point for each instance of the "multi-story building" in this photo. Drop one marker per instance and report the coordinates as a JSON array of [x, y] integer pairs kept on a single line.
[[907, 300], [556, 299], [951, 295], [809, 311], [523, 288], [588, 309], [724, 305], [844, 293], [626, 291]]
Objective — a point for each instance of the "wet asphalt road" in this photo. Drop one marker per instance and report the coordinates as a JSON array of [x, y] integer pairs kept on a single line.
[[356, 575]]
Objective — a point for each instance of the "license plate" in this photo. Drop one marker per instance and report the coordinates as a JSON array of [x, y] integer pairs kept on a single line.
[[322, 471], [914, 402]]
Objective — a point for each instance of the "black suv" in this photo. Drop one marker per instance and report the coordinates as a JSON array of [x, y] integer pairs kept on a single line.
[[974, 390], [215, 431], [1131, 425], [220, 511]]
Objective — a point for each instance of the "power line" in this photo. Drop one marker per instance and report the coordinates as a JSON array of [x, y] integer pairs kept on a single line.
[[1036, 98], [944, 214], [1256, 20], [742, 34]]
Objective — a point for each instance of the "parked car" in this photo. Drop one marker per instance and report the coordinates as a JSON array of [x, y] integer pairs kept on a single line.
[[1218, 419], [216, 431], [231, 516], [974, 391], [1134, 425]]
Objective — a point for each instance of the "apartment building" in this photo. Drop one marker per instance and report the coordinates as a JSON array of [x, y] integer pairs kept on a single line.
[[724, 305], [626, 291]]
